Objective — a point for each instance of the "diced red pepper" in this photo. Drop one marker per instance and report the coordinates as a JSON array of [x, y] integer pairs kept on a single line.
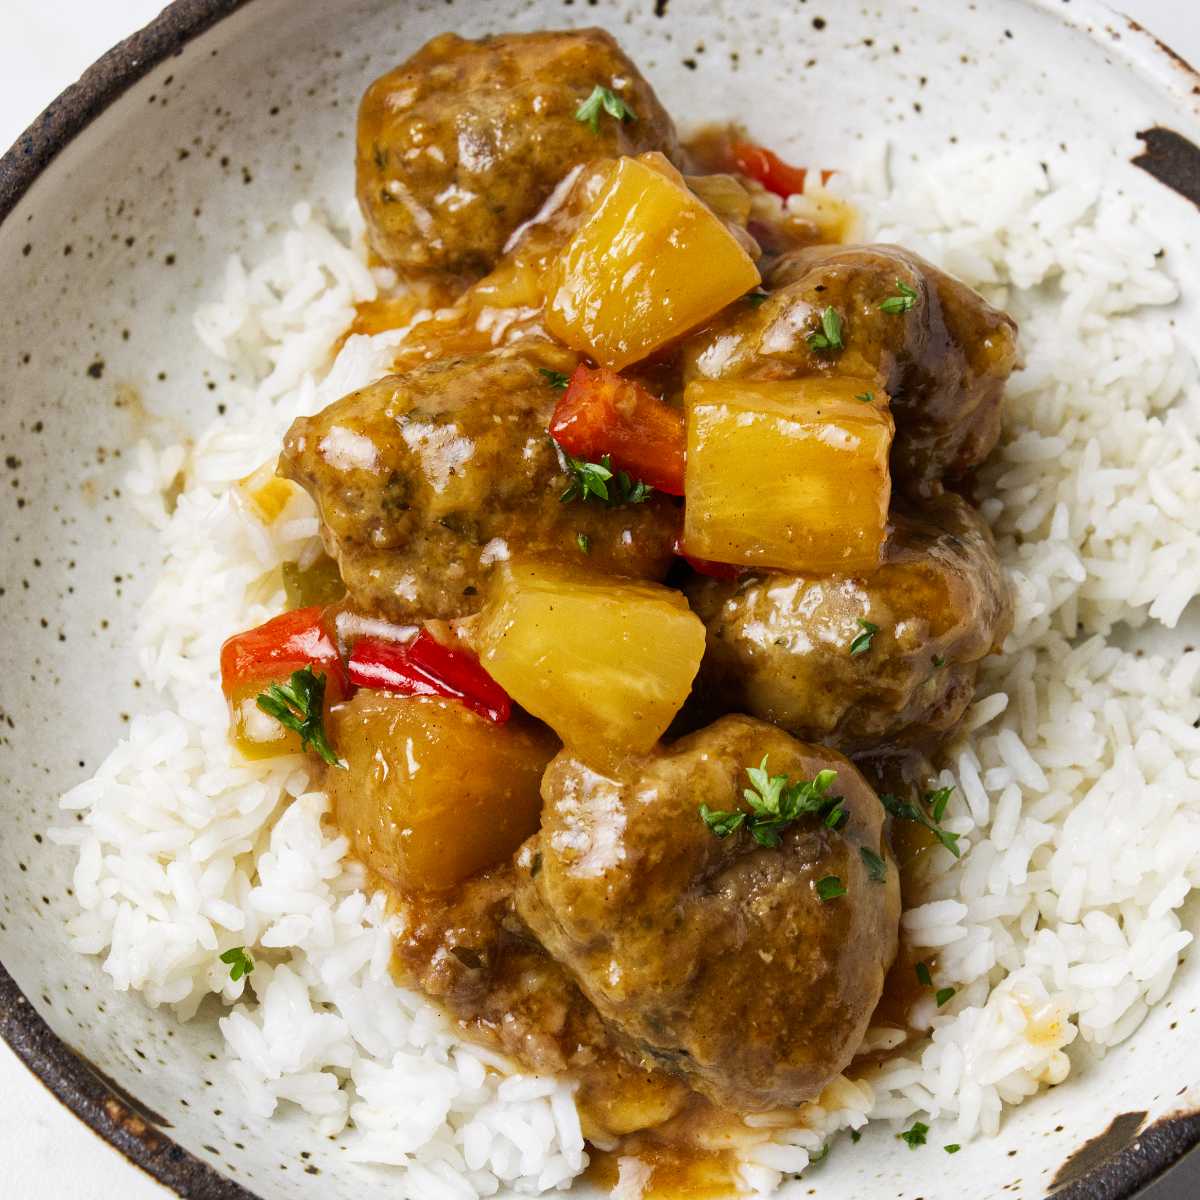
[[252, 661], [424, 667], [757, 162], [602, 413], [704, 566], [285, 644]]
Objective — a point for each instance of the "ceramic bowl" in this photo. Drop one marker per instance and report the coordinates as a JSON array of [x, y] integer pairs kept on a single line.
[[119, 207]]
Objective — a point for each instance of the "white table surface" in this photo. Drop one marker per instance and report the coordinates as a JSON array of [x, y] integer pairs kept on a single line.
[[45, 1153]]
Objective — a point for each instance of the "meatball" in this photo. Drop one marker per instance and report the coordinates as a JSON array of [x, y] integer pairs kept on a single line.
[[716, 958], [425, 480], [943, 358], [466, 140], [798, 651]]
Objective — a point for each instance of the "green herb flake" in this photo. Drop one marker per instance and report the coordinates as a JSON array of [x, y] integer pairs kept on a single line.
[[937, 802], [855, 1135], [938, 662], [866, 397], [756, 297], [601, 100], [556, 379], [830, 335], [598, 481], [819, 1155], [775, 803], [923, 976], [632, 491], [901, 303], [953, 1148], [915, 1136], [876, 867], [299, 705], [914, 812], [862, 643], [830, 888], [836, 817], [238, 962], [720, 822], [944, 995], [583, 542], [587, 479]]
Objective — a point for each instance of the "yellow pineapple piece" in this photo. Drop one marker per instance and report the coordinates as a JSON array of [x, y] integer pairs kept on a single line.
[[434, 793], [650, 262], [265, 494], [601, 660], [792, 475]]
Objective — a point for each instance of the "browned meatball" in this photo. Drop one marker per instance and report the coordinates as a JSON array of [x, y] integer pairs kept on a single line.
[[424, 481], [716, 957], [943, 360], [467, 139], [780, 646]]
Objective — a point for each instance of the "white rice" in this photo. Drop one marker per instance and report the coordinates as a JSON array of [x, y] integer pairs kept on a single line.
[[1059, 923]]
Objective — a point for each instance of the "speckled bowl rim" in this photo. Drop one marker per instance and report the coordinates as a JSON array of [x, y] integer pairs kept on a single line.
[[99, 1102]]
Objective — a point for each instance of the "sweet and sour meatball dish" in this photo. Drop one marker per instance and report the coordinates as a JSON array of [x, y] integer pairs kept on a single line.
[[652, 585], [657, 675]]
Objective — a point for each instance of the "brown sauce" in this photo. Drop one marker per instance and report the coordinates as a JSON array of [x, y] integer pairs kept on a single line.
[[902, 989], [673, 1173]]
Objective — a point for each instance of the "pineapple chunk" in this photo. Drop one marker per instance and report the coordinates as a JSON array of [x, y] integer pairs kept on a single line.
[[265, 494], [649, 263], [434, 793], [792, 475], [602, 661]]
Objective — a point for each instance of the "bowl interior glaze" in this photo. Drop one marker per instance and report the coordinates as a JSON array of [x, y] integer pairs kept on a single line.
[[102, 262]]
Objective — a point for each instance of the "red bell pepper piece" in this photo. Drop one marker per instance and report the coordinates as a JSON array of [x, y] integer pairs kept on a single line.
[[602, 413], [287, 643], [757, 162], [424, 667], [704, 566]]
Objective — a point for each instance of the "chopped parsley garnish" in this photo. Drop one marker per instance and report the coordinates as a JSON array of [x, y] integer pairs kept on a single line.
[[238, 961], [587, 479], [830, 888], [938, 800], [944, 995], [866, 397], [836, 817], [901, 303], [601, 100], [953, 1148], [914, 812], [915, 1136], [632, 491], [923, 976], [599, 480], [556, 379], [830, 335], [862, 643], [876, 867], [775, 803], [819, 1155], [299, 705], [583, 542], [855, 1135], [938, 662], [754, 299]]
